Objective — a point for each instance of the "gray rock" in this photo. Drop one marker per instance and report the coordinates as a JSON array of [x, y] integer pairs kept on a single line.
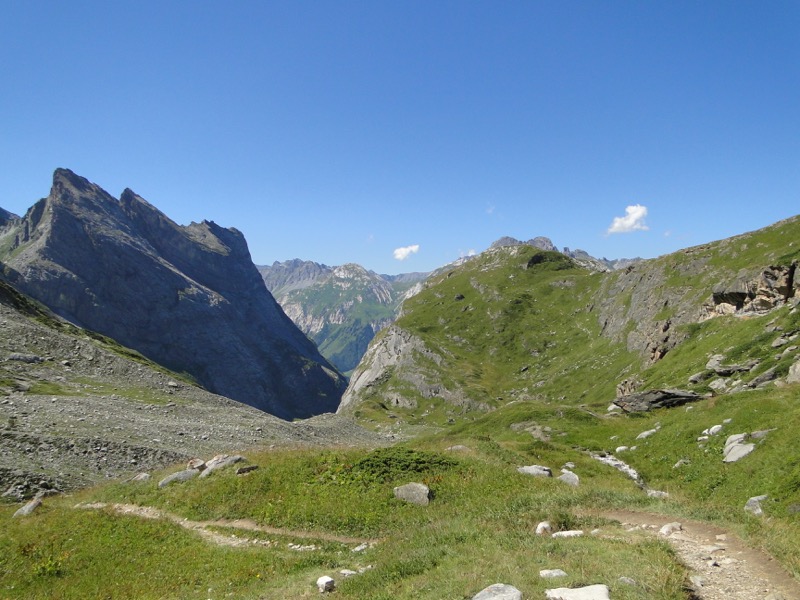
[[25, 358], [766, 377], [652, 399], [325, 584], [627, 580], [646, 434], [178, 477], [247, 469], [498, 591], [736, 448], [551, 573], [753, 505], [670, 528], [140, 477], [415, 493], [589, 592], [536, 471], [569, 478], [220, 461], [31, 506], [794, 373]]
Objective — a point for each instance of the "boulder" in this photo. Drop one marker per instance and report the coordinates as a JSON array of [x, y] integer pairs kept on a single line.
[[652, 399], [551, 573], [736, 448], [178, 477], [31, 506], [569, 478], [536, 471], [568, 534], [589, 592], [220, 461], [498, 591], [544, 528], [325, 584], [794, 373], [753, 505], [670, 528], [414, 493]]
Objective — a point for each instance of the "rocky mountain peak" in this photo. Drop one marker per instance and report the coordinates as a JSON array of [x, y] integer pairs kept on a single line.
[[188, 297]]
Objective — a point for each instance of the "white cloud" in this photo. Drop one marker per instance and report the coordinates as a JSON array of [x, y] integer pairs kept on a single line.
[[406, 251], [470, 252], [490, 209], [632, 221]]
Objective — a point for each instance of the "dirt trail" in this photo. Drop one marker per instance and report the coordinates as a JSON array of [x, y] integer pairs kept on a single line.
[[723, 567], [204, 527]]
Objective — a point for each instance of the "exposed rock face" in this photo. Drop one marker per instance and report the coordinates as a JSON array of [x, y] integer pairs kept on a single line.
[[652, 399], [772, 288], [188, 297], [340, 308]]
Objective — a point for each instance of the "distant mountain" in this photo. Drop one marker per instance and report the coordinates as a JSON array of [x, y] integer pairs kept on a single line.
[[582, 257], [340, 308], [187, 297]]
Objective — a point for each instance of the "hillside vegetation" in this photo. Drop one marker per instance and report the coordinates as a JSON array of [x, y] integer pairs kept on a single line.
[[509, 360]]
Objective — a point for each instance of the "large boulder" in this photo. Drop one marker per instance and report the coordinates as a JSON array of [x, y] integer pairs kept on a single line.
[[415, 493], [652, 399]]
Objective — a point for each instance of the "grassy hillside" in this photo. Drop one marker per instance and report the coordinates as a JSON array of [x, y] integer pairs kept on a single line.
[[517, 355]]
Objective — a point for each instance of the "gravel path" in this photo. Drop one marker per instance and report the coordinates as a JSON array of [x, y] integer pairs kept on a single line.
[[722, 566]]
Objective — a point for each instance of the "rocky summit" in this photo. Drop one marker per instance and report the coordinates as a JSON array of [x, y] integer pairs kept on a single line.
[[187, 297]]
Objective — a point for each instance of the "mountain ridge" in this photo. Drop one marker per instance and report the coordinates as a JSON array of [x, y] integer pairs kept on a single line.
[[124, 269]]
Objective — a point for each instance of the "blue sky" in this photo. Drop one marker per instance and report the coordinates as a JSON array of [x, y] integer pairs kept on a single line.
[[346, 131]]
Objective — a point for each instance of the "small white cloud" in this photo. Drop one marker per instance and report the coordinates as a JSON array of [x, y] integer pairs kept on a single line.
[[632, 221], [406, 251], [490, 209], [470, 252]]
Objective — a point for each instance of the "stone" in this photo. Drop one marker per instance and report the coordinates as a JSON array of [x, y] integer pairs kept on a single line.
[[247, 469], [414, 493], [657, 494], [753, 505], [498, 591], [25, 358], [536, 471], [589, 592], [568, 534], [620, 449], [30, 507], [652, 399], [326, 584], [198, 464], [141, 477], [714, 430], [794, 373], [221, 461], [544, 528], [551, 573], [178, 477], [736, 449], [569, 478], [670, 528], [627, 580], [646, 434]]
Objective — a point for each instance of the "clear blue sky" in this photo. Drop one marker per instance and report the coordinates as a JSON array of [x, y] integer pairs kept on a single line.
[[342, 131]]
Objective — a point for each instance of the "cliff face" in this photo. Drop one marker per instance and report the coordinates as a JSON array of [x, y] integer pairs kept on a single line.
[[188, 297]]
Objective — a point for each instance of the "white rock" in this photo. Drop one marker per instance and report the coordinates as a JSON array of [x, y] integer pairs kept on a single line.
[[551, 573], [657, 494], [347, 573], [737, 452], [646, 434], [727, 421], [715, 430], [753, 505], [499, 591], [568, 534], [536, 471], [627, 580], [569, 478], [589, 592], [326, 584], [620, 449], [543, 528], [670, 528]]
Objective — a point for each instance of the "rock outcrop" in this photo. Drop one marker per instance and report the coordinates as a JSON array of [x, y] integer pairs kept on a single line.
[[652, 399], [187, 297]]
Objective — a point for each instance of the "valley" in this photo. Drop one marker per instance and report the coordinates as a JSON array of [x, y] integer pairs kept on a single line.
[[506, 389]]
